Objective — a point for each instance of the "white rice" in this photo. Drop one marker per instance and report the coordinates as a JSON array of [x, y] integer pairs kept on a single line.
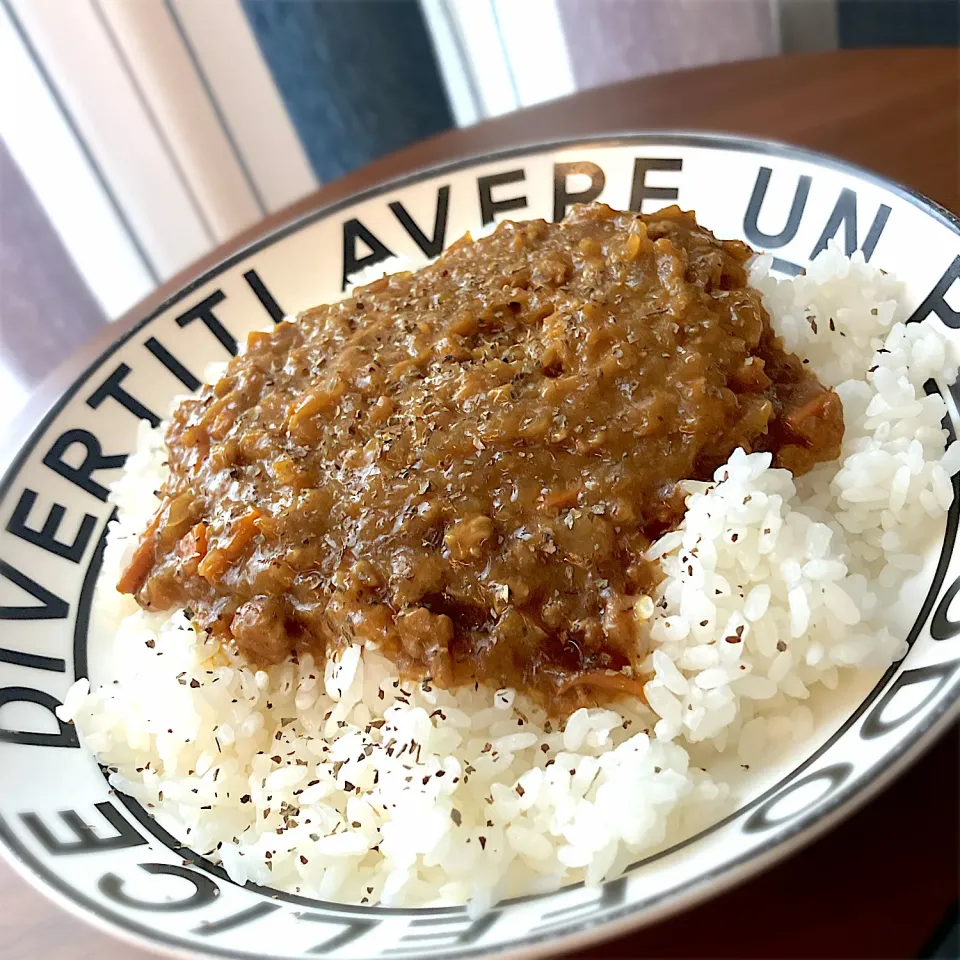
[[343, 784]]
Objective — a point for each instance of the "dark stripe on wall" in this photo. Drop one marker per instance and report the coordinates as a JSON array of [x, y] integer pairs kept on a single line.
[[71, 123], [154, 122], [215, 105], [898, 23], [358, 79]]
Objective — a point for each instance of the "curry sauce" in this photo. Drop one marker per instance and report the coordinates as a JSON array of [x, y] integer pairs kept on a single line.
[[465, 465]]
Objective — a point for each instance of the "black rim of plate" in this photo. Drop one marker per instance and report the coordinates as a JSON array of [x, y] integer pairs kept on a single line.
[[801, 823]]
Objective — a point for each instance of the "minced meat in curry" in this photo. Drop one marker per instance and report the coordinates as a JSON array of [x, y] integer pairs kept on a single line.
[[465, 465]]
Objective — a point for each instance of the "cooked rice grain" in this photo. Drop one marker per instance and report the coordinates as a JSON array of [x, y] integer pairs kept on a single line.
[[341, 782]]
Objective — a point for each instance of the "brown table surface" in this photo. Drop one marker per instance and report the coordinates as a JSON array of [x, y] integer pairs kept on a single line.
[[878, 885]]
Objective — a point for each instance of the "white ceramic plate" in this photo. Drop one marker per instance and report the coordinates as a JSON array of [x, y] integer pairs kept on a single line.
[[102, 856]]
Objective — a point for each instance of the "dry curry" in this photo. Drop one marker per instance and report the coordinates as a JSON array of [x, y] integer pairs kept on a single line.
[[465, 465]]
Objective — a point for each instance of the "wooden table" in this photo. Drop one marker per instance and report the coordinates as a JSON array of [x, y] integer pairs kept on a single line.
[[879, 885]]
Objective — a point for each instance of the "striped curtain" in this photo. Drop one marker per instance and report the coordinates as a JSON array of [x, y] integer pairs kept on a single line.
[[151, 131]]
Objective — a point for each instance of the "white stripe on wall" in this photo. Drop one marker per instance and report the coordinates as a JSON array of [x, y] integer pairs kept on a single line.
[[486, 54], [499, 55], [249, 102], [65, 181], [462, 88], [536, 49], [161, 69]]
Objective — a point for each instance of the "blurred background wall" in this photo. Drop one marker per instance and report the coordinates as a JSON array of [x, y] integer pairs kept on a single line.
[[139, 134]]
